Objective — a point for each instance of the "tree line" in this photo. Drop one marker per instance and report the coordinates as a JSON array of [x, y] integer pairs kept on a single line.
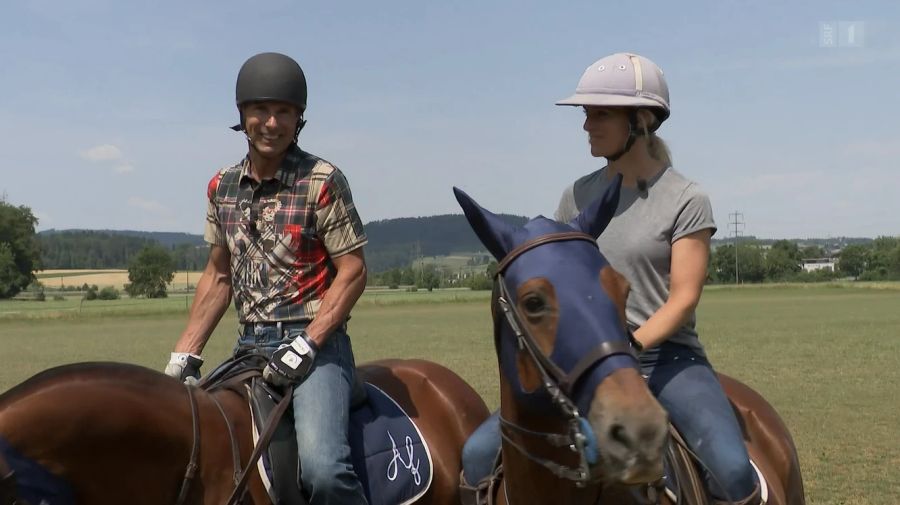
[[395, 246], [87, 249], [782, 262], [430, 276]]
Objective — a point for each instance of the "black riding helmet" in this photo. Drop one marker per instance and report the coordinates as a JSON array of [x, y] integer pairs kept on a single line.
[[271, 76]]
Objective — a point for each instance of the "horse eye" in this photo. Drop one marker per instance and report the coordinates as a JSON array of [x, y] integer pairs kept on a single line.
[[534, 304]]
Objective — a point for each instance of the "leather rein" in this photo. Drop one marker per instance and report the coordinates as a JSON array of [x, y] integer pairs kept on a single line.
[[233, 379], [558, 384]]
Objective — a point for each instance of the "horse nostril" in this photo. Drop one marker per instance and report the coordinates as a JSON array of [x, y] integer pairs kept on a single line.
[[619, 433]]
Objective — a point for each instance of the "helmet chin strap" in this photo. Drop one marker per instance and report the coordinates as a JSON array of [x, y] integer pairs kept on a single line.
[[633, 133], [300, 126]]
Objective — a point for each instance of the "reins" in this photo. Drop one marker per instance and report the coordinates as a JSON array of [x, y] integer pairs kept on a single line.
[[234, 377]]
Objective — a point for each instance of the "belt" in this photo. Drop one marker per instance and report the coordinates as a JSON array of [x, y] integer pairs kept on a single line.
[[281, 326]]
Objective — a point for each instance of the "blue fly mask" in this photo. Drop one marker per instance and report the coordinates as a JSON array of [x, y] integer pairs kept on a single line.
[[590, 341]]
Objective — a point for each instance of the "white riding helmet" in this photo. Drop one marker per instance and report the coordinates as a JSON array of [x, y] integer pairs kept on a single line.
[[623, 80]]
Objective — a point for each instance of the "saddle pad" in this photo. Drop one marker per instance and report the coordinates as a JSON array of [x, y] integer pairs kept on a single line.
[[34, 483], [389, 454]]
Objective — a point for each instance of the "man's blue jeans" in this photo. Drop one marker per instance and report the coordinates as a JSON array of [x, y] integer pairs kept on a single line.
[[684, 383], [321, 414]]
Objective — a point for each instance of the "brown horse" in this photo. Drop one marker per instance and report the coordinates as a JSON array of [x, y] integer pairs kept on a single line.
[[109, 433], [566, 370]]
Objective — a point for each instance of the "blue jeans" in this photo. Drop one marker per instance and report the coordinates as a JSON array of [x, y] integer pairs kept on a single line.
[[481, 449], [684, 383], [321, 415]]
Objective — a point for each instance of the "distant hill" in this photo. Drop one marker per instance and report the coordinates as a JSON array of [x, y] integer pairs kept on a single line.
[[392, 243], [165, 238], [398, 242]]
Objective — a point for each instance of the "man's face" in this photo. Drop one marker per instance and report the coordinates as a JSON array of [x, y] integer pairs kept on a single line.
[[270, 126]]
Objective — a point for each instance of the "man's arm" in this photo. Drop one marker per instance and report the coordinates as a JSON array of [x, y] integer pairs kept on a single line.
[[345, 290], [210, 303], [690, 255]]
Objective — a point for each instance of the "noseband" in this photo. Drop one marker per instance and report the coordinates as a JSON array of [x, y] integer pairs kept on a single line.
[[579, 437]]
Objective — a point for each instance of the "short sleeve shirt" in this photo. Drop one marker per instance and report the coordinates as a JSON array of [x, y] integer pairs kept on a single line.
[[282, 234], [638, 241]]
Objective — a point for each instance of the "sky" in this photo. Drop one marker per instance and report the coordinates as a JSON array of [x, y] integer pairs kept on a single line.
[[115, 114]]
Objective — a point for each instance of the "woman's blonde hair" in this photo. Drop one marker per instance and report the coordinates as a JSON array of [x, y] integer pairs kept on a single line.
[[656, 146]]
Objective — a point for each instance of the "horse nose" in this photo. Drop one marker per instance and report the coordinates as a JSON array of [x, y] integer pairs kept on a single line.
[[631, 429], [639, 435]]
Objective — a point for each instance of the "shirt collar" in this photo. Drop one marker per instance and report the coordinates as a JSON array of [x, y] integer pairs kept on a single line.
[[286, 173]]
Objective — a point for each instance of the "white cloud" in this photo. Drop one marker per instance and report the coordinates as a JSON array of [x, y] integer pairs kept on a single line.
[[148, 205], [103, 152], [110, 156]]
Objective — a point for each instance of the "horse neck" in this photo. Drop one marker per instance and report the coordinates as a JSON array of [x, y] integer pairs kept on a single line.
[[526, 482]]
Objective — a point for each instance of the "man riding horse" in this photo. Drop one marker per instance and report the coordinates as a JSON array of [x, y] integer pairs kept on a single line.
[[286, 239]]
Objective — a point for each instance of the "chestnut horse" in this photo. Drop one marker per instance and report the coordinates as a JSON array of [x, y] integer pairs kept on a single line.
[[577, 421], [111, 433]]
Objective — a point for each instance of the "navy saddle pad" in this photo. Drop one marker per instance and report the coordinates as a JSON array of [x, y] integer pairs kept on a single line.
[[34, 483], [390, 456]]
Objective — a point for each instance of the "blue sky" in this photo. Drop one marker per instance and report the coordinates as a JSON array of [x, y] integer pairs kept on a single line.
[[114, 114]]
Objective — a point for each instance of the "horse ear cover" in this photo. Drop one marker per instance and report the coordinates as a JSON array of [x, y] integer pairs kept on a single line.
[[493, 232], [596, 216]]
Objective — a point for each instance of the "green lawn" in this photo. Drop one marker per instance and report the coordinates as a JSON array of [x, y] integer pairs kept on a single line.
[[828, 359]]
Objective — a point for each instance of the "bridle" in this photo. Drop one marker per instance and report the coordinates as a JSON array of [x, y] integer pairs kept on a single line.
[[579, 437]]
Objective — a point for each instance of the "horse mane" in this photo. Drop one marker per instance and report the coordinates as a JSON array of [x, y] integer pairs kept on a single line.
[[135, 374]]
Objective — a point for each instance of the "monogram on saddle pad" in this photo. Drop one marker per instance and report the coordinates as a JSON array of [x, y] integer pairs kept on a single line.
[[389, 453]]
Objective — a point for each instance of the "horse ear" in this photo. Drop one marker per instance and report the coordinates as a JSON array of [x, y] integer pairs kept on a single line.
[[594, 219], [493, 232]]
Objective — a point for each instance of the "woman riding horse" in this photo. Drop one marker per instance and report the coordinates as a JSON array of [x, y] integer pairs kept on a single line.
[[659, 240]]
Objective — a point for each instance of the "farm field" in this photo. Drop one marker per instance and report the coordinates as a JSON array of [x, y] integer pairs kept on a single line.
[[56, 279], [827, 357]]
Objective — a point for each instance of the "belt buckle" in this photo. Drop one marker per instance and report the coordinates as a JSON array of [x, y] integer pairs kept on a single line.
[[258, 327]]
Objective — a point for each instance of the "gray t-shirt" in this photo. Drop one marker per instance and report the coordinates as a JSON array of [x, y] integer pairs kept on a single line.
[[638, 241]]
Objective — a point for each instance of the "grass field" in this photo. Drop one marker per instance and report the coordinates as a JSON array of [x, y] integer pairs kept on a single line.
[[828, 358]]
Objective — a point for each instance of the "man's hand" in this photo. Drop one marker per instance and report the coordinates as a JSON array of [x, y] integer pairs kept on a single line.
[[291, 363], [185, 367]]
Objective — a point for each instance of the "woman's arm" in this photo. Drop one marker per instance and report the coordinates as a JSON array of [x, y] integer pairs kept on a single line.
[[690, 255]]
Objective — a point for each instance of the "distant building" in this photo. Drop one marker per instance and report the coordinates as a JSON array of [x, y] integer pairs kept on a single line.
[[813, 264]]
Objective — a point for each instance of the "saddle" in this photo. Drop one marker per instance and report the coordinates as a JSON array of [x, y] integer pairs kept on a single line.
[[389, 454]]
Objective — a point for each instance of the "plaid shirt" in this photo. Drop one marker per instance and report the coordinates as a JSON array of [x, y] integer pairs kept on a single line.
[[282, 234]]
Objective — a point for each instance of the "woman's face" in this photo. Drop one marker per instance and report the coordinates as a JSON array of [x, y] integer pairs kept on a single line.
[[607, 129]]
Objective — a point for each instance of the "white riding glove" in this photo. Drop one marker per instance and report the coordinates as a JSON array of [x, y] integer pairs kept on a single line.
[[185, 367]]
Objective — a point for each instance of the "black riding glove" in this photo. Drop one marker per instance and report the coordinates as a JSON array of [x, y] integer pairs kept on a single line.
[[291, 363]]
